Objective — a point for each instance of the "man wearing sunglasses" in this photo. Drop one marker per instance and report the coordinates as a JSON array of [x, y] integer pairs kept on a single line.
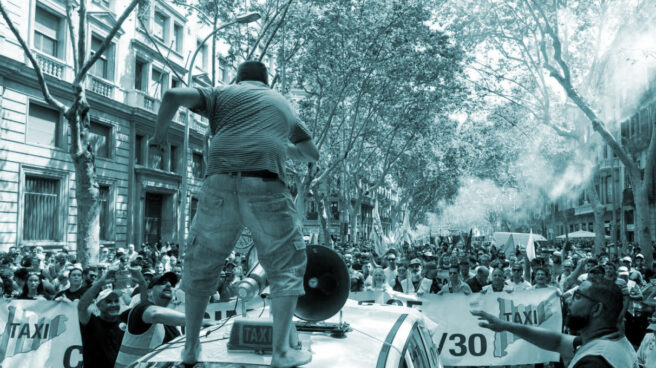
[[391, 269], [517, 282], [455, 284], [593, 314]]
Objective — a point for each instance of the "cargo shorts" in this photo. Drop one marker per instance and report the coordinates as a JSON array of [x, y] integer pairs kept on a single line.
[[226, 205]]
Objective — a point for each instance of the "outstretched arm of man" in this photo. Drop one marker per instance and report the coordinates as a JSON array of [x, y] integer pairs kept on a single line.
[[87, 299], [171, 101], [540, 337], [304, 151], [155, 314]]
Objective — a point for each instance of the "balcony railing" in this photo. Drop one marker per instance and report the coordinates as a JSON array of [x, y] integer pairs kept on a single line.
[[100, 86], [50, 65], [141, 100]]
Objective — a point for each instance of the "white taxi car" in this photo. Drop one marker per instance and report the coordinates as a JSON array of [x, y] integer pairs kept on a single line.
[[379, 336]]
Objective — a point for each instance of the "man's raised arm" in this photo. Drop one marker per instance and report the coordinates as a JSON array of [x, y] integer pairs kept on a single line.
[[171, 101], [303, 151]]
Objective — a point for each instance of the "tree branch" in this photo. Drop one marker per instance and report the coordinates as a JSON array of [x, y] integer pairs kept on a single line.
[[275, 30], [71, 33], [103, 47], [82, 40], [42, 82], [159, 52]]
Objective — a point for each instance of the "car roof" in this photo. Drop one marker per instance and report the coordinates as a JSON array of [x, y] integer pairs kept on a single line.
[[378, 335]]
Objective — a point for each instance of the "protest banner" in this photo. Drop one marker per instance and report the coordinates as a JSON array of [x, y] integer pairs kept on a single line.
[[462, 342], [38, 333]]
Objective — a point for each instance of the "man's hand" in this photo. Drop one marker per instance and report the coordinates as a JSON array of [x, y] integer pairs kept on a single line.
[[489, 321], [158, 144]]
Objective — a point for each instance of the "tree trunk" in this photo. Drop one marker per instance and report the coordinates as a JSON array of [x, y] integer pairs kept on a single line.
[[86, 196], [641, 218], [216, 19], [598, 210], [354, 215], [614, 227], [324, 235]]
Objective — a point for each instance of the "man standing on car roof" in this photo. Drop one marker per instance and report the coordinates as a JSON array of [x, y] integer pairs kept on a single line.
[[254, 131]]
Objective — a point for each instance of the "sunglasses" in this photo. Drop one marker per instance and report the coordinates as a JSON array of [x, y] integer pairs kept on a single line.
[[453, 273], [391, 259], [517, 270]]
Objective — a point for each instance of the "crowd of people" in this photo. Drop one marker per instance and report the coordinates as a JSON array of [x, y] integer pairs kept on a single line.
[[455, 267], [126, 279]]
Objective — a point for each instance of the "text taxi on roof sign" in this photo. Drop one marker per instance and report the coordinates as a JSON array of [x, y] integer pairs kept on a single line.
[[338, 332]]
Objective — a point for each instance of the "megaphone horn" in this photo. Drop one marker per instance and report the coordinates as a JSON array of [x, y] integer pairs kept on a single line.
[[326, 283]]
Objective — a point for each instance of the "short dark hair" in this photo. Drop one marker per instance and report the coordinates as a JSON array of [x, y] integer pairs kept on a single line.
[[252, 71]]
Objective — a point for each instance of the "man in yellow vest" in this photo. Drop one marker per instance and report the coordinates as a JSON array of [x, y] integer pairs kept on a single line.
[[593, 313], [151, 323]]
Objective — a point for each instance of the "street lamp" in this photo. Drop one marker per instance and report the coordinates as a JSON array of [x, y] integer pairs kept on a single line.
[[244, 18]]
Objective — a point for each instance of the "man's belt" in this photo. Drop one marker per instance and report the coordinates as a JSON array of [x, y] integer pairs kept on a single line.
[[265, 174]]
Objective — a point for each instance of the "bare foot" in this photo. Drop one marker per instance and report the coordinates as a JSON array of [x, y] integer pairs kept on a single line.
[[291, 358], [190, 358]]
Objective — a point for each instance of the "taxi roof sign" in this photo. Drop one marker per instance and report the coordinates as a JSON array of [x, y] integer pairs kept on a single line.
[[249, 334]]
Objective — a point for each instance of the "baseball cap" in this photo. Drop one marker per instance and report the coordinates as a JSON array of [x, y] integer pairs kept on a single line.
[[626, 259], [639, 255], [120, 250], [104, 294], [415, 261], [428, 253], [160, 279]]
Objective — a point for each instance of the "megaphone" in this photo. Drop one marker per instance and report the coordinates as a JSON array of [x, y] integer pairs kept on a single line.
[[253, 284], [327, 286], [326, 282]]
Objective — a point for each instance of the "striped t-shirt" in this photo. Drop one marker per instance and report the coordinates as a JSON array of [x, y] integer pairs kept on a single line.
[[251, 125]]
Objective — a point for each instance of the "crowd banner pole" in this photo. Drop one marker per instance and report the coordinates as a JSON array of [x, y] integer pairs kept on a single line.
[[459, 338], [40, 333]]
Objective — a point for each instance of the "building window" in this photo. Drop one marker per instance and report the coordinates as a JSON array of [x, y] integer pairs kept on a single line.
[[177, 37], [104, 202], [159, 26], [138, 149], [334, 209], [173, 159], [155, 159], [100, 139], [202, 55], [193, 207], [198, 168], [311, 207], [47, 32], [104, 67], [153, 218], [43, 126], [40, 219], [175, 83], [158, 83], [139, 73]]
